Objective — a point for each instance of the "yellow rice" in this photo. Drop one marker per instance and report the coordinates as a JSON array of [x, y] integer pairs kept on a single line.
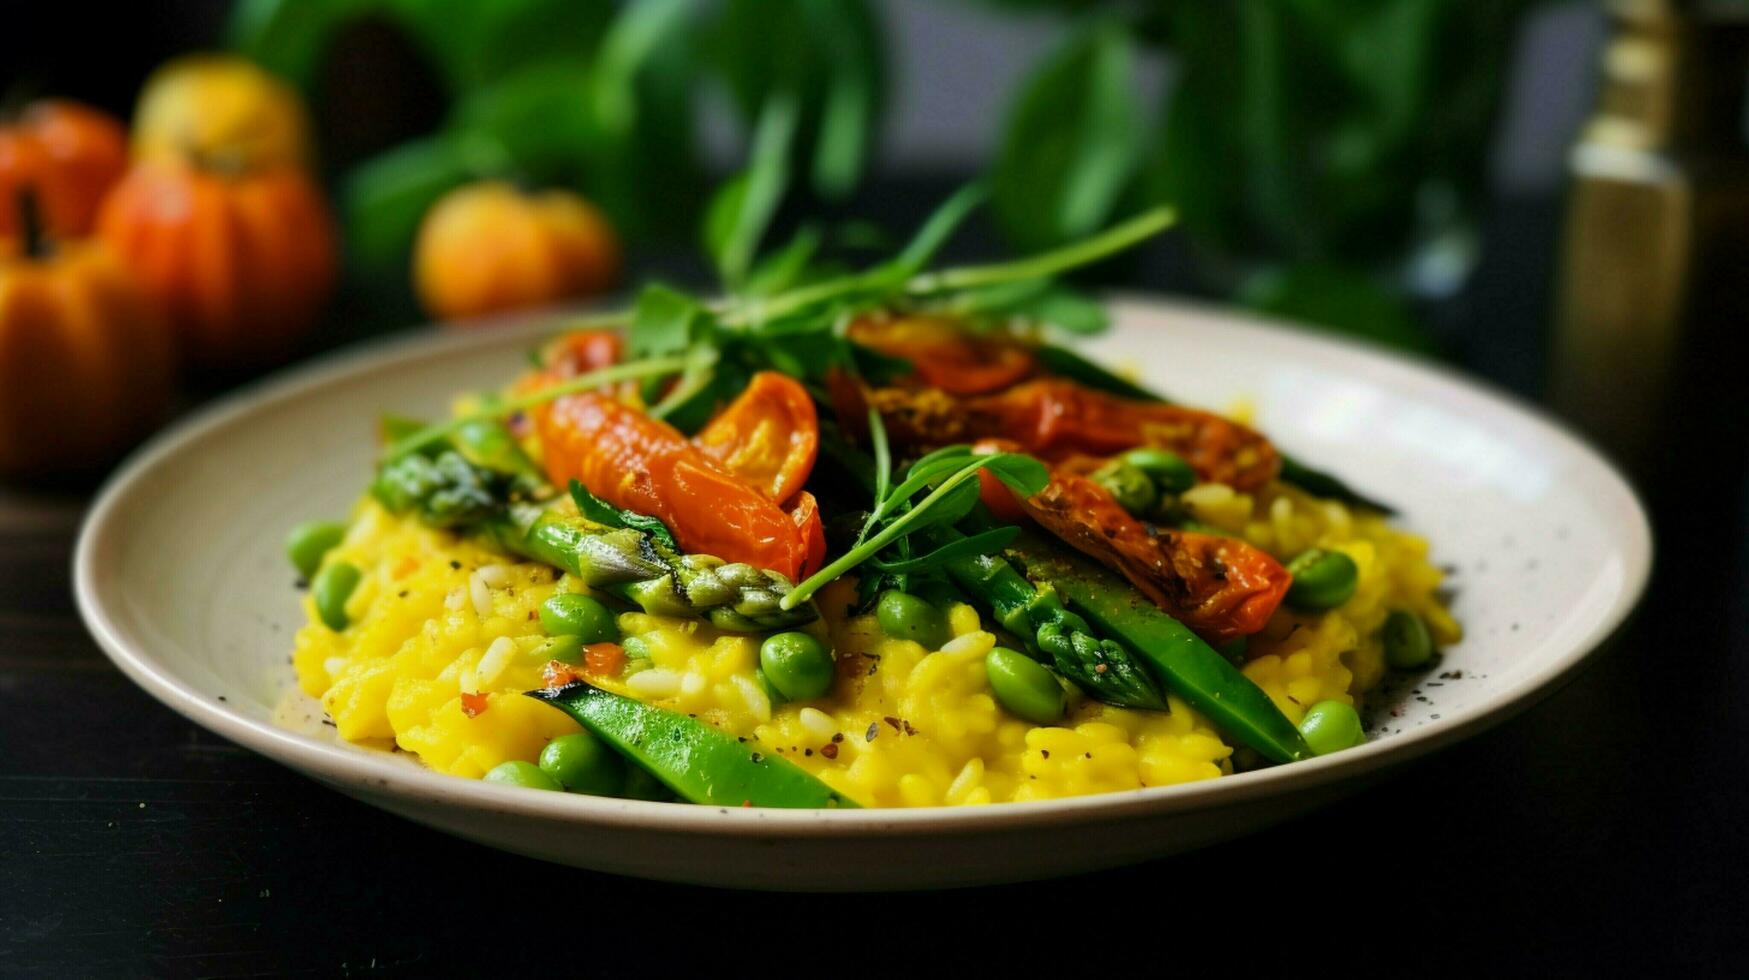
[[435, 617]]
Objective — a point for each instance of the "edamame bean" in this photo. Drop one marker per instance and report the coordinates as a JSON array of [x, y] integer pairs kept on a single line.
[[1168, 470], [635, 648], [575, 614], [1322, 579], [906, 617], [1331, 726], [1407, 643], [524, 774], [1024, 687], [583, 763], [331, 587], [1129, 486], [309, 541], [799, 666], [770, 689]]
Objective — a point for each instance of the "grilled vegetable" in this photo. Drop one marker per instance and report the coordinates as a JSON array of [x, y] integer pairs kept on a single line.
[[1053, 418], [645, 465], [1189, 667], [635, 561], [1103, 669], [1222, 587], [696, 761]]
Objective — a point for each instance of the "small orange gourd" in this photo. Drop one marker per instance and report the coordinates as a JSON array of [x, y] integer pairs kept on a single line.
[[487, 247], [242, 260], [85, 358], [68, 155]]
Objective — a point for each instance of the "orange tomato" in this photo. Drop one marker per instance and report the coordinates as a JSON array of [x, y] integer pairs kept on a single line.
[[806, 513], [242, 261], [945, 355], [645, 465], [70, 155], [488, 247], [768, 436], [1220, 587]]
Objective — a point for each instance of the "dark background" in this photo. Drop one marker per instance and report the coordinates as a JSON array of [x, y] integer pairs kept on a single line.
[[1602, 831]]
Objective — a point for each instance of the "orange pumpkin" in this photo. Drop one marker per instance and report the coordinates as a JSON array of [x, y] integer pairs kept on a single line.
[[488, 246], [85, 358], [69, 154], [242, 261]]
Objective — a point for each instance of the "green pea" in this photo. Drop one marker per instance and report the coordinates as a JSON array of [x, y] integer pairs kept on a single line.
[[309, 541], [1407, 643], [906, 617], [799, 666], [635, 648], [575, 614], [1331, 726], [770, 689], [1132, 488], [1024, 687], [583, 763], [1322, 579], [331, 587], [524, 774], [1168, 470]]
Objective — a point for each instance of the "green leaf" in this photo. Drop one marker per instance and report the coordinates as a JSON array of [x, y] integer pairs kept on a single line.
[[939, 227], [983, 543], [602, 512], [1072, 141], [665, 320], [385, 198], [641, 29], [785, 267], [1022, 473], [740, 212]]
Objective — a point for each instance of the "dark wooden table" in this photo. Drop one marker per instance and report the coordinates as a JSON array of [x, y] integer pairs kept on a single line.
[[1603, 830]]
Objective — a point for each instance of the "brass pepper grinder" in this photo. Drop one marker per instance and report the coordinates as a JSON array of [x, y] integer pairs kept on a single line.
[[1654, 275]]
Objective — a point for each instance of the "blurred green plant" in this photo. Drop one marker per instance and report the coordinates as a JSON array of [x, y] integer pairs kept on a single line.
[[1327, 158], [594, 95]]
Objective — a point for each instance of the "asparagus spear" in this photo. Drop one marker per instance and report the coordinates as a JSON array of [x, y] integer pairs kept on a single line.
[[1105, 670], [1187, 665], [451, 488]]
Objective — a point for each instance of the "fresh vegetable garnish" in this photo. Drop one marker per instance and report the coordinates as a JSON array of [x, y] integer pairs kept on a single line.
[[1187, 665], [698, 762]]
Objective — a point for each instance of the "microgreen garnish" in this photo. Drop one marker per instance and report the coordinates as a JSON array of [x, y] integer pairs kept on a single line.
[[947, 479]]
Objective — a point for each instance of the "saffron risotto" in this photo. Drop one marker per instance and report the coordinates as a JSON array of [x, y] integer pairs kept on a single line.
[[444, 637]]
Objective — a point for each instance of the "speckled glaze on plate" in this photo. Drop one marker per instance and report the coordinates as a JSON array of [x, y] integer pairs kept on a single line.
[[179, 575]]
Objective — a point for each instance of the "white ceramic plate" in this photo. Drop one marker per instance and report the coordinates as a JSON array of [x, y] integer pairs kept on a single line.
[[180, 576]]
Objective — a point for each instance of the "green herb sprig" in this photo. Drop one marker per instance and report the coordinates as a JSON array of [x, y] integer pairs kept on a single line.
[[940, 488]]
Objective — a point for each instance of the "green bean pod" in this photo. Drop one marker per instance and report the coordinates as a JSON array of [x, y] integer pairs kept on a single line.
[[1188, 666], [699, 763]]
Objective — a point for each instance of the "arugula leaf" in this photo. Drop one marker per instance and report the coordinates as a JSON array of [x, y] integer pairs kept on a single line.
[[665, 320], [602, 512]]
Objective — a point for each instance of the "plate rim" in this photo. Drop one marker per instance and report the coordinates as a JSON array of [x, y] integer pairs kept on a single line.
[[352, 767]]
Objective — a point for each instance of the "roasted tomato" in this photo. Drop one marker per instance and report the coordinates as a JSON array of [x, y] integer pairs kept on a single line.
[[805, 511], [768, 436], [945, 355], [1221, 587], [1055, 419], [642, 464]]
